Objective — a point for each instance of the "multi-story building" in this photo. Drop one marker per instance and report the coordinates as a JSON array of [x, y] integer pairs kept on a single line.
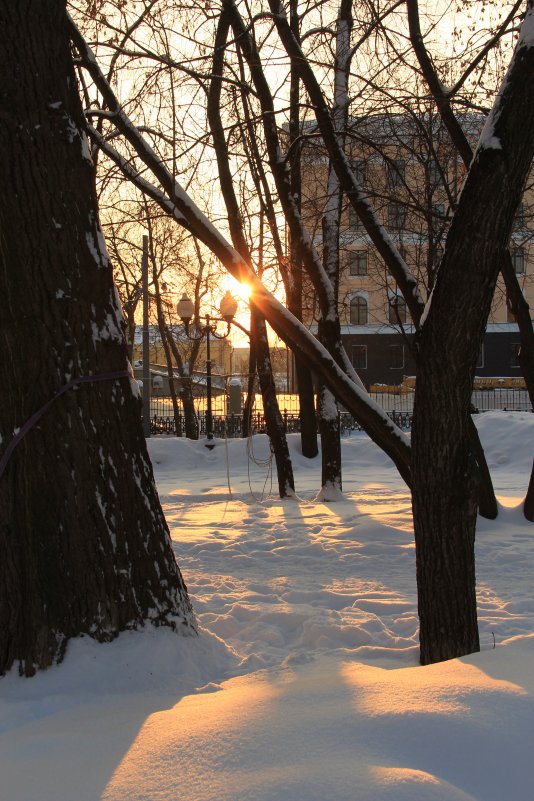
[[413, 177]]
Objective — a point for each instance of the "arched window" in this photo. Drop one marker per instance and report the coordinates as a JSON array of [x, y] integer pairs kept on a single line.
[[358, 310], [518, 260], [398, 312]]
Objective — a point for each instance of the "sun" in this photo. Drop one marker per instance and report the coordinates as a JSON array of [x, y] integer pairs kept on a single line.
[[243, 290], [238, 290]]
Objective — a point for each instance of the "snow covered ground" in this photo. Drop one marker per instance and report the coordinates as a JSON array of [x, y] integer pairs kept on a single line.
[[304, 684]]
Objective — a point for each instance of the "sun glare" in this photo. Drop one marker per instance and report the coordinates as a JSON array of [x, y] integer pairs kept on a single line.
[[240, 291], [243, 290]]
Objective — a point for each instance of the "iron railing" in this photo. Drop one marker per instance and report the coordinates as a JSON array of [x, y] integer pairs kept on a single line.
[[231, 426], [398, 406]]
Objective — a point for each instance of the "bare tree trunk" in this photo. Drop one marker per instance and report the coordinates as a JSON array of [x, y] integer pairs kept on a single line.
[[308, 421], [162, 327], [528, 506], [305, 389], [444, 474], [488, 502], [185, 370], [273, 418], [248, 406], [328, 414], [85, 547], [329, 324], [271, 410]]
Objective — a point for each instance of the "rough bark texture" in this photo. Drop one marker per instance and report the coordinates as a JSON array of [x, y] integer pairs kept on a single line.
[[528, 507], [331, 464], [444, 475], [84, 547], [486, 499], [308, 423], [185, 370], [522, 313], [271, 410], [248, 406], [305, 390], [329, 328], [442, 96], [163, 332]]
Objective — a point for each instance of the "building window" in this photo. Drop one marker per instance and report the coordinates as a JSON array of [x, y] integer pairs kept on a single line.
[[355, 224], [357, 262], [359, 357], [434, 174], [396, 171], [519, 221], [359, 168], [396, 357], [358, 311], [514, 356], [398, 312], [518, 260], [438, 210], [396, 216]]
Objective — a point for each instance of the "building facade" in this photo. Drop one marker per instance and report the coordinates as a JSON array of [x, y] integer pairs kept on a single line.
[[413, 177], [220, 350]]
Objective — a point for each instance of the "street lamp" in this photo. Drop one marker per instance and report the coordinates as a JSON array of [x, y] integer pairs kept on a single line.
[[228, 308]]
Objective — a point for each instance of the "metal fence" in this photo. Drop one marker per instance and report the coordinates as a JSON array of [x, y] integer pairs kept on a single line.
[[231, 426], [398, 406], [510, 400]]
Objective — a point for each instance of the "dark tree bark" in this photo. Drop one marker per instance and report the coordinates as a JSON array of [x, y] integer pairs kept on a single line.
[[331, 473], [162, 327], [329, 329], [84, 547], [248, 406], [308, 421], [444, 474], [486, 500], [528, 506], [273, 419], [305, 389], [442, 97], [185, 370]]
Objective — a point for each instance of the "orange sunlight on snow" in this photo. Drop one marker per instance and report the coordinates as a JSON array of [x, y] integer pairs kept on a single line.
[[436, 689], [191, 524], [188, 736], [391, 508], [510, 501]]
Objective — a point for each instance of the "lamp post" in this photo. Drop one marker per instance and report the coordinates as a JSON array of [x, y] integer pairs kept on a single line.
[[208, 329]]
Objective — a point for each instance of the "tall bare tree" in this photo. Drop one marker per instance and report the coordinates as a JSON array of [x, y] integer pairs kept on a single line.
[[85, 548]]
